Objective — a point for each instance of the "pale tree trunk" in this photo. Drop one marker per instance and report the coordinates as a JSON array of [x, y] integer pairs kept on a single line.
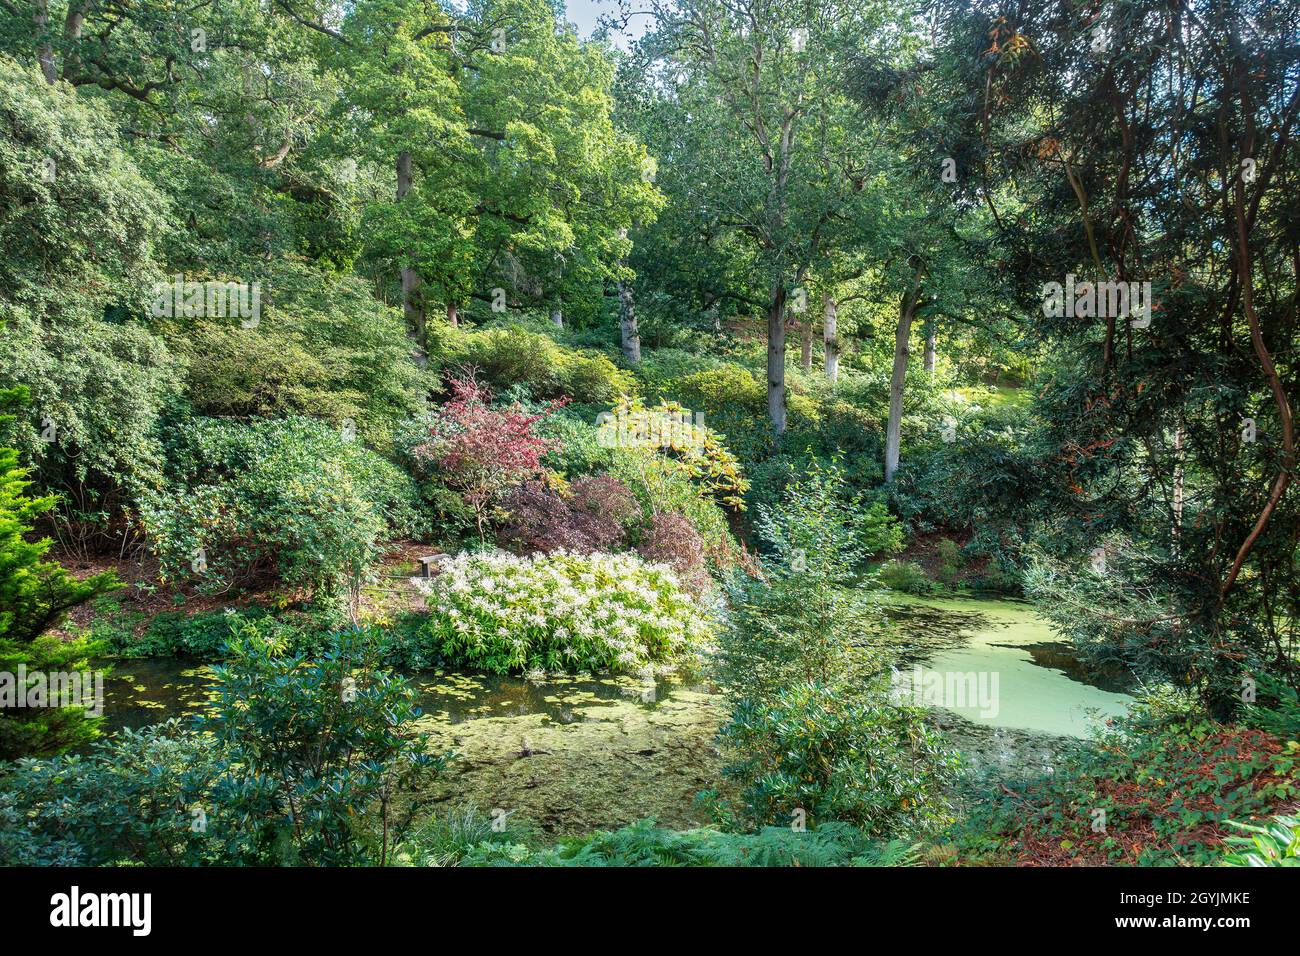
[[72, 27], [410, 278], [557, 316], [627, 324], [831, 360], [929, 345], [776, 361], [805, 341], [715, 315], [453, 314], [894, 428]]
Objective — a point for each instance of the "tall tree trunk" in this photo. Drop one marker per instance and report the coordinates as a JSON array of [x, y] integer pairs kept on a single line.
[[45, 52], [411, 307], [894, 428], [557, 316], [776, 361], [805, 341], [453, 314], [929, 345], [72, 28], [831, 354], [715, 314], [627, 324]]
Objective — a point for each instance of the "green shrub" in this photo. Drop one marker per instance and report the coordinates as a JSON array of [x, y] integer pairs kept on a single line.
[[129, 800], [808, 614], [305, 763], [289, 501], [906, 576], [814, 753], [513, 356], [96, 390], [556, 612], [811, 735], [324, 348], [660, 370], [734, 403], [948, 553], [660, 486], [207, 633], [35, 595], [668, 431], [576, 448], [307, 775]]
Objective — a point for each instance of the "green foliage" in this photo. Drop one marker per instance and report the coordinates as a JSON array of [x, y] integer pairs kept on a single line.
[[290, 501], [660, 485], [306, 775], [811, 734], [644, 844], [800, 621], [556, 612], [813, 752], [35, 595], [78, 224], [513, 356], [97, 390], [1275, 843], [206, 634], [445, 839], [128, 800], [576, 448], [948, 553], [1276, 708], [734, 404], [43, 731], [77, 219], [668, 430], [324, 348], [906, 576], [305, 762], [1168, 779]]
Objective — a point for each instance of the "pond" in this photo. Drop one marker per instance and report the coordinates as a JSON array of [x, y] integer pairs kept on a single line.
[[579, 753], [999, 663]]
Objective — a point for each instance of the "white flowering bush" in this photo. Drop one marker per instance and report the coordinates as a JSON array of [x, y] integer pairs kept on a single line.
[[558, 612]]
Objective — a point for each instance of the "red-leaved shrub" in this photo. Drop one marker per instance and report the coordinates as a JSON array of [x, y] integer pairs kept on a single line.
[[593, 516], [481, 450], [673, 540]]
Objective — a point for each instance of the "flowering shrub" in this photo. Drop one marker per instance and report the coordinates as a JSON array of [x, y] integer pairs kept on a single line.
[[558, 612], [593, 516], [481, 450]]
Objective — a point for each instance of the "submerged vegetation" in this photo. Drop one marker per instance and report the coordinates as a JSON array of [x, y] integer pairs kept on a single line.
[[470, 443]]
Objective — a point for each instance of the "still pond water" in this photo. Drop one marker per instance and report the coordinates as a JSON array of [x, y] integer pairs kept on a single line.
[[571, 754], [993, 662]]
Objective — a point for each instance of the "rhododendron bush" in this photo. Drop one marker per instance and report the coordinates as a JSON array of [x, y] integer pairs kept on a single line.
[[558, 612]]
